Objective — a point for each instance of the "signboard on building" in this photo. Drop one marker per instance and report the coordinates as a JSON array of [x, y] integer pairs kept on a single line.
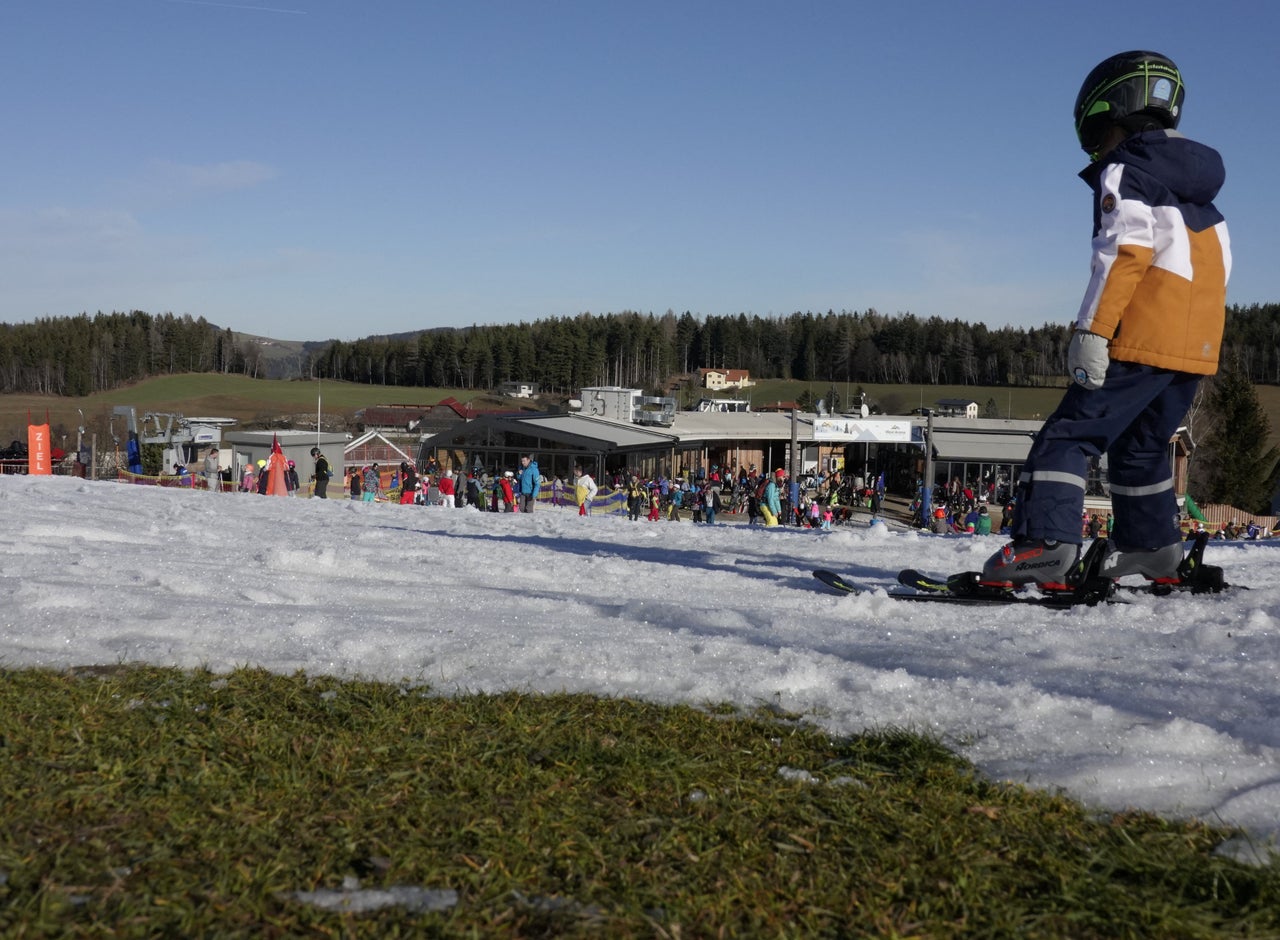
[[894, 431]]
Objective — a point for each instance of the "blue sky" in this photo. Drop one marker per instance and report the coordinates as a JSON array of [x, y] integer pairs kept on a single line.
[[315, 169]]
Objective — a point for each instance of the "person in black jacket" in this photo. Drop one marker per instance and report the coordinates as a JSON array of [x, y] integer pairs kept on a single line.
[[322, 474]]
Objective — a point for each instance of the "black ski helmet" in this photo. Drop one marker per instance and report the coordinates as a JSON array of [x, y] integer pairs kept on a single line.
[[1126, 89]]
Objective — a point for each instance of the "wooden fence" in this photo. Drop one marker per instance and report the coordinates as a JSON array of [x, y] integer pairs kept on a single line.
[[1218, 514]]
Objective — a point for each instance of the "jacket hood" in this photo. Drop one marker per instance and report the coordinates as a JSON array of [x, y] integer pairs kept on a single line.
[[1192, 171]]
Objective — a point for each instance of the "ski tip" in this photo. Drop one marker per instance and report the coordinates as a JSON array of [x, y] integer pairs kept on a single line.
[[910, 577], [835, 581]]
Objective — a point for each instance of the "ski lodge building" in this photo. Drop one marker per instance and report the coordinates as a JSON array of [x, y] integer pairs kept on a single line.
[[613, 429]]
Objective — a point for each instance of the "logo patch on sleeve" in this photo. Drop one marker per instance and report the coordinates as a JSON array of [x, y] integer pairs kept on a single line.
[[1109, 203]]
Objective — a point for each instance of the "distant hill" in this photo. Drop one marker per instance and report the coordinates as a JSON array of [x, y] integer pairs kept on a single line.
[[287, 358], [280, 358]]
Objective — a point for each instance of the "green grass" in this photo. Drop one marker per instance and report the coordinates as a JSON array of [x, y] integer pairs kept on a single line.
[[900, 399], [208, 395], [144, 802]]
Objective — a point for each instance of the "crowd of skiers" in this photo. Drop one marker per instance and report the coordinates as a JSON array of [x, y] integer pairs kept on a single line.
[[962, 511], [815, 500], [1250, 531], [976, 521], [503, 491], [255, 477], [965, 506]]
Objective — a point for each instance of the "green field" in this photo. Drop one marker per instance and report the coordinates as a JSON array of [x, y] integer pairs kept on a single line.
[[902, 399], [211, 395]]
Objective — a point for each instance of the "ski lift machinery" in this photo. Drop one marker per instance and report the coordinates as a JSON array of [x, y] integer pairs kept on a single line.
[[180, 436]]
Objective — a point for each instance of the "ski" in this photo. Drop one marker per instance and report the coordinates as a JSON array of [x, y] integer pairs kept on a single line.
[[939, 592], [842, 585], [1087, 587], [968, 588], [837, 582]]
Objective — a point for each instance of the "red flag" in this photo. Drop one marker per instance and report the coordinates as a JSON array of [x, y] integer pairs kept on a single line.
[[275, 470]]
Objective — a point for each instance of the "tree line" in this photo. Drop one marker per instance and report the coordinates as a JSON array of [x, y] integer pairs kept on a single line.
[[76, 356], [565, 354], [79, 355], [562, 355]]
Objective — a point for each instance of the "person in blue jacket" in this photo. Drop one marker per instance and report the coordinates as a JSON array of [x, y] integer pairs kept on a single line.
[[530, 482], [1148, 330]]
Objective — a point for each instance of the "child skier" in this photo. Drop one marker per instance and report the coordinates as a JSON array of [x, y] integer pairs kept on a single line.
[[1149, 328]]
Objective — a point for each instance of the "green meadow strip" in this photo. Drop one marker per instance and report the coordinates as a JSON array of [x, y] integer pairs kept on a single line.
[[142, 802]]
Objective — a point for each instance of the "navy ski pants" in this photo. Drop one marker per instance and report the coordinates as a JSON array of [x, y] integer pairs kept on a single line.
[[1130, 419]]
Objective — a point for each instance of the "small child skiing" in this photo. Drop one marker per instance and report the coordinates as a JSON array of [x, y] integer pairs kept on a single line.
[[506, 488], [711, 502], [1148, 330], [673, 505]]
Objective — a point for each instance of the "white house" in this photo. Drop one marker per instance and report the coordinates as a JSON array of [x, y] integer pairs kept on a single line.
[[517, 389], [958, 407], [725, 378]]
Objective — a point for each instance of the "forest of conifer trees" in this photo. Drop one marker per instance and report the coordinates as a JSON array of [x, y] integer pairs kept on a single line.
[[80, 355]]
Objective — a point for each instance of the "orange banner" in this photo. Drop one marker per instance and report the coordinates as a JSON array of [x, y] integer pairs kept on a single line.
[[39, 460]]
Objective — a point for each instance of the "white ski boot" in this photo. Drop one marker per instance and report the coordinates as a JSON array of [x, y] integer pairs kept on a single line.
[[1154, 564]]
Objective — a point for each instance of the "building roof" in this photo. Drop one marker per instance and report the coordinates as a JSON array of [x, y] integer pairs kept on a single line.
[[372, 447], [393, 416], [573, 429], [735, 425], [988, 447], [981, 439], [445, 413]]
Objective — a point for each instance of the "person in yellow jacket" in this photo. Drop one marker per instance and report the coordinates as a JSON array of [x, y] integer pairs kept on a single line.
[[1149, 328], [771, 503]]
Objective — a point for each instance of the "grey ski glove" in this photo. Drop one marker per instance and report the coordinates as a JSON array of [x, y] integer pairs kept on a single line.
[[1087, 359]]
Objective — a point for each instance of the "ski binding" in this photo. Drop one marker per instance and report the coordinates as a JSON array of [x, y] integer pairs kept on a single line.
[[1085, 586]]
